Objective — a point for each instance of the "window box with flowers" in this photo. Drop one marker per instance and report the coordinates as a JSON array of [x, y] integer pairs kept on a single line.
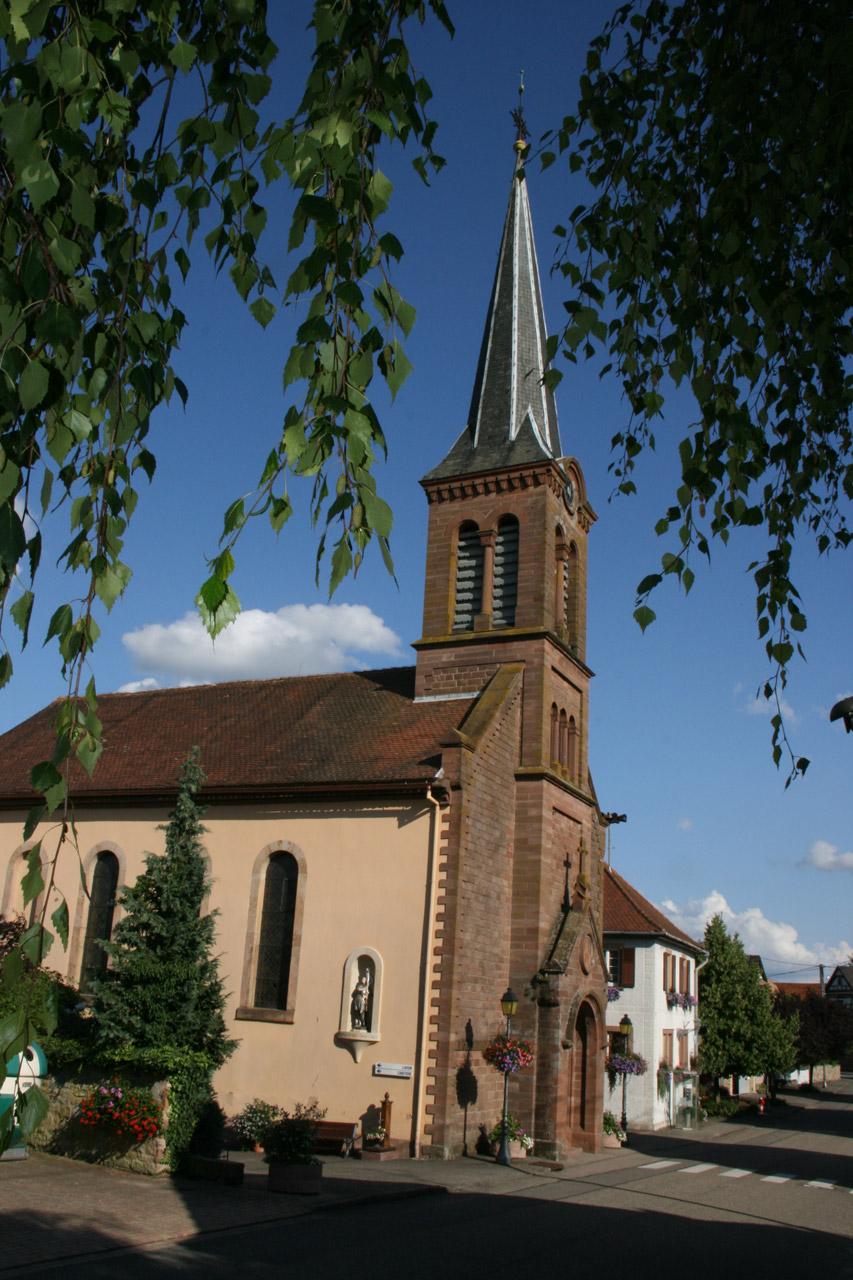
[[678, 1000], [613, 994]]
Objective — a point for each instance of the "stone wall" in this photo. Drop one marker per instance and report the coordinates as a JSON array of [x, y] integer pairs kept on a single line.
[[62, 1134]]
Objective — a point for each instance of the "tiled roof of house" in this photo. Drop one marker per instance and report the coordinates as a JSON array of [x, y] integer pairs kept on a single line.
[[253, 735], [798, 989], [627, 912]]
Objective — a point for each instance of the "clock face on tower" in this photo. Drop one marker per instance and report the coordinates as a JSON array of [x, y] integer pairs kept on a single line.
[[569, 494]]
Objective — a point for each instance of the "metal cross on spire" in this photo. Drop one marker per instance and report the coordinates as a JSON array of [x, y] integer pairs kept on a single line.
[[518, 114]]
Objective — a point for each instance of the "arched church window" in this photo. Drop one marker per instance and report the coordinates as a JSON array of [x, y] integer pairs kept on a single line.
[[555, 734], [99, 924], [505, 589], [469, 577], [276, 935], [572, 750], [570, 593], [564, 739]]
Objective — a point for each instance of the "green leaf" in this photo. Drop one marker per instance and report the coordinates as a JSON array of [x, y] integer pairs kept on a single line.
[[13, 1033], [32, 388], [40, 182], [33, 1106], [9, 478], [263, 311], [13, 539], [21, 611], [183, 55], [644, 616], [379, 514], [59, 920], [5, 669], [217, 604], [61, 623], [32, 883]]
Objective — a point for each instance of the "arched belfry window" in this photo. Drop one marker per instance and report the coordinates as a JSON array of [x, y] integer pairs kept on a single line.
[[99, 924], [555, 734], [570, 593], [572, 754], [505, 590], [564, 739], [276, 935], [469, 577]]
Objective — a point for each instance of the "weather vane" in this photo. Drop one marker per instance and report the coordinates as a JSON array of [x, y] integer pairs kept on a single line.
[[518, 114]]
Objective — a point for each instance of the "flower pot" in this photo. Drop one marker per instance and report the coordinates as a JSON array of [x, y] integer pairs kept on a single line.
[[610, 1140], [517, 1151], [295, 1179]]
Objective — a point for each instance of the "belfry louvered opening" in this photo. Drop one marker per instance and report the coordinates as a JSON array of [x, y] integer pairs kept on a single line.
[[505, 591], [469, 577]]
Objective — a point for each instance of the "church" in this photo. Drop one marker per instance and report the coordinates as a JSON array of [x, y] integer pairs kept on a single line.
[[389, 850]]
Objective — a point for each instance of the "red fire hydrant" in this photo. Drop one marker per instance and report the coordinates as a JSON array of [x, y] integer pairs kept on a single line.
[[762, 1105]]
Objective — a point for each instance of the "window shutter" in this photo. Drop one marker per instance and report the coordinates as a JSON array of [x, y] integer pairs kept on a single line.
[[627, 966]]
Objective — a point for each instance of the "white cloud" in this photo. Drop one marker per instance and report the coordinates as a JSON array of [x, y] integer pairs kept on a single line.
[[685, 824], [139, 686], [761, 706], [827, 857], [295, 640], [771, 939]]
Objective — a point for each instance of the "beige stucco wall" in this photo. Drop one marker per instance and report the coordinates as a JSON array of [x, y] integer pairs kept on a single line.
[[365, 881]]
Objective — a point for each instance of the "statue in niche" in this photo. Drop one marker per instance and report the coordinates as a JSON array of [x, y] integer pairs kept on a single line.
[[358, 1009]]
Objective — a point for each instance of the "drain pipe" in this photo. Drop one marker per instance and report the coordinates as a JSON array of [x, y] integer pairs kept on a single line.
[[432, 877]]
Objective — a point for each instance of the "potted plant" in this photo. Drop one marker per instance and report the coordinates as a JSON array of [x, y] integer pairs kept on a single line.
[[289, 1146], [614, 1134], [254, 1122], [520, 1142]]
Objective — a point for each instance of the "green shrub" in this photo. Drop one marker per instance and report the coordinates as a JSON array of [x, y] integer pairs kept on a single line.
[[291, 1139], [254, 1122]]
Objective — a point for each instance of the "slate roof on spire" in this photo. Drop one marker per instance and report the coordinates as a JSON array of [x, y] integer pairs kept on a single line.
[[513, 417]]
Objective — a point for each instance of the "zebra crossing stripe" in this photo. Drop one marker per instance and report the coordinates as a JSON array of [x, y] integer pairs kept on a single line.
[[778, 1177], [736, 1173], [823, 1186], [660, 1164], [698, 1168]]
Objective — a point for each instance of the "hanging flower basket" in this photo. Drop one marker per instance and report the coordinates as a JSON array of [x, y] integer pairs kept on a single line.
[[508, 1054], [624, 1064], [613, 993]]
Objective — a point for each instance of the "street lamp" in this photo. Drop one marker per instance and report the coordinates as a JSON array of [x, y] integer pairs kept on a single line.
[[626, 1026], [509, 1004]]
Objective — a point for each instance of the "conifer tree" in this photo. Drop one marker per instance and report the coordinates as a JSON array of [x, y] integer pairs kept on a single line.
[[162, 989]]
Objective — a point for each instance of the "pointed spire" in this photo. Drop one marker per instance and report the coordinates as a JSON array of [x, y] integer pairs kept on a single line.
[[513, 417]]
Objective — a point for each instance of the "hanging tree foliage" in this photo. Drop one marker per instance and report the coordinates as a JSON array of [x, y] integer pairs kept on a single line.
[[716, 255]]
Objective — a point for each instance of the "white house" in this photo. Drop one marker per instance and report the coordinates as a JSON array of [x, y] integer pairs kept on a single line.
[[652, 971]]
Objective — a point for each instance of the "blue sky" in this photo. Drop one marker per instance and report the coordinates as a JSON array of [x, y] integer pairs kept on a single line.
[[677, 740]]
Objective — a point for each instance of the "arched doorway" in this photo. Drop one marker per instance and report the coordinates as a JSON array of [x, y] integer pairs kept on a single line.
[[585, 1097]]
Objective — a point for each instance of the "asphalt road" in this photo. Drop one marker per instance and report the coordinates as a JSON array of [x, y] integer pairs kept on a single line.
[[755, 1201]]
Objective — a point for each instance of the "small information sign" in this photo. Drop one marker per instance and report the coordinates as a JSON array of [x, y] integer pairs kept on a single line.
[[400, 1070]]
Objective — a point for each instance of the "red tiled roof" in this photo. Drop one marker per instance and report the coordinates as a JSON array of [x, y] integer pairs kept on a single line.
[[627, 911], [330, 730], [798, 989]]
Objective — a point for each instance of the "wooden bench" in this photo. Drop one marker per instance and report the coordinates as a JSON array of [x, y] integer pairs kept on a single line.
[[335, 1137]]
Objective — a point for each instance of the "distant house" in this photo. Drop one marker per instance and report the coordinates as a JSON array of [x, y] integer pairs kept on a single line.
[[840, 985], [799, 990], [652, 967]]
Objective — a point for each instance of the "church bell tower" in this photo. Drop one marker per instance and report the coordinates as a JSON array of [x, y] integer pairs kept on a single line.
[[505, 609]]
